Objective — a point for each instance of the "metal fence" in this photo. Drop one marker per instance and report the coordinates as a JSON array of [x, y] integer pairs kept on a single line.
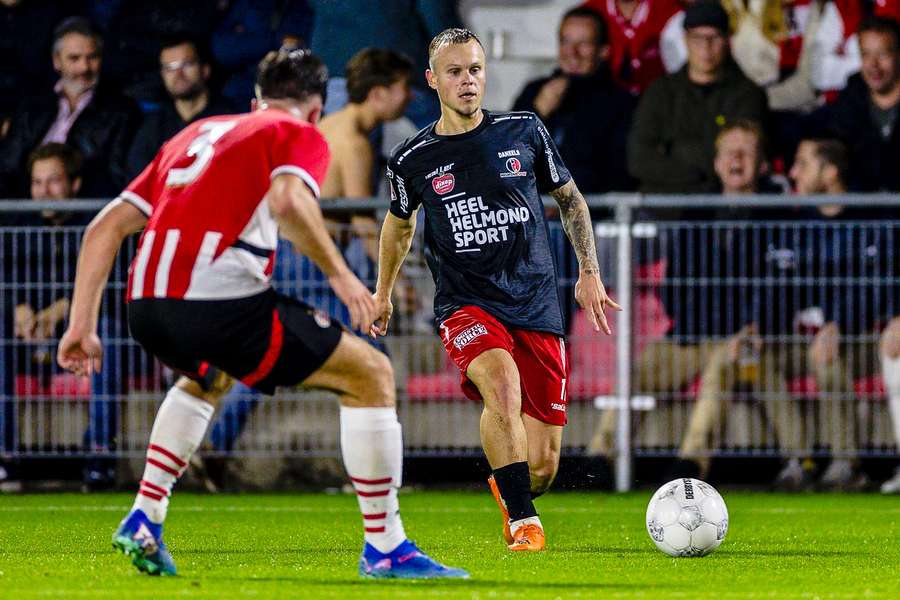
[[715, 352]]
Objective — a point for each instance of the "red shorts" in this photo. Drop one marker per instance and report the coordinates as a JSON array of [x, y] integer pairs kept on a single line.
[[539, 356]]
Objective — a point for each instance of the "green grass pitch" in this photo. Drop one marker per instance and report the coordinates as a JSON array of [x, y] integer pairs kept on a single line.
[[306, 546]]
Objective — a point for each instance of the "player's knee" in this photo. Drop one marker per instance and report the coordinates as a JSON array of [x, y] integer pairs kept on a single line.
[[890, 339], [504, 398], [500, 389]]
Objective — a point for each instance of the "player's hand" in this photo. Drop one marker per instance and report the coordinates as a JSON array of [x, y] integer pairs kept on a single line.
[[80, 352], [357, 297], [384, 308], [551, 96], [592, 297]]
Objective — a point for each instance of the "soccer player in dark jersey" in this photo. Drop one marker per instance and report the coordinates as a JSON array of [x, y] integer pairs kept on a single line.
[[211, 205], [479, 175]]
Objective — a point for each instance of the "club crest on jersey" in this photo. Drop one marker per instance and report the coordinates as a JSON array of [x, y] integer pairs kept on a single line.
[[443, 184], [513, 168]]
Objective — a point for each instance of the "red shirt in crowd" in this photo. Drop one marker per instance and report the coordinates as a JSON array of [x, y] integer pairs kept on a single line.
[[634, 43]]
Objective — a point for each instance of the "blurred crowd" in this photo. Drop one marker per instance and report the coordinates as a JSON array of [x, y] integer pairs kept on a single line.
[[660, 96], [641, 91]]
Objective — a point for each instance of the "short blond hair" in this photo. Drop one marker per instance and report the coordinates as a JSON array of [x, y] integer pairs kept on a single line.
[[455, 35], [745, 125]]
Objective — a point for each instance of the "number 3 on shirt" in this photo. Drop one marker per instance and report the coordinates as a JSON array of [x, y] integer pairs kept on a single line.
[[202, 149]]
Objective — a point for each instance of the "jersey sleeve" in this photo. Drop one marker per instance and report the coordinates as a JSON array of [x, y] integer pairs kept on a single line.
[[404, 201], [550, 171], [139, 192], [302, 151]]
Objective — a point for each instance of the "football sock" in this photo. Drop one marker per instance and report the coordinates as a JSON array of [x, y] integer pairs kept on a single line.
[[177, 431], [514, 484], [372, 448], [890, 371]]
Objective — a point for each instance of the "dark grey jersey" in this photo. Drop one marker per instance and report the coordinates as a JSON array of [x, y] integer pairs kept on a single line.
[[486, 239]]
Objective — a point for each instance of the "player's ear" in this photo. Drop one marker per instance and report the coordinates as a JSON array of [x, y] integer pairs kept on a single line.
[[431, 79], [76, 185], [314, 114]]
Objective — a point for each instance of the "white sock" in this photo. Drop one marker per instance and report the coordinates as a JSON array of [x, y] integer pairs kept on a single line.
[[890, 371], [177, 432], [514, 526], [372, 447]]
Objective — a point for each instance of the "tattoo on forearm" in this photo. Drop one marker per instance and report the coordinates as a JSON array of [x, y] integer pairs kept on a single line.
[[576, 220]]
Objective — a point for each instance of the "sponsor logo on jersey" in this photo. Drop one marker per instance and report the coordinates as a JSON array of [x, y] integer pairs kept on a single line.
[[443, 184], [440, 171], [466, 337], [554, 174], [508, 153], [558, 406], [514, 168], [401, 191]]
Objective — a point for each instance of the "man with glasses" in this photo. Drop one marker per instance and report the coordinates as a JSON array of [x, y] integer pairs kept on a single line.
[[185, 72], [672, 144]]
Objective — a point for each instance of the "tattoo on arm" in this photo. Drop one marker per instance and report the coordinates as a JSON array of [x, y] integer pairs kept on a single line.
[[576, 220]]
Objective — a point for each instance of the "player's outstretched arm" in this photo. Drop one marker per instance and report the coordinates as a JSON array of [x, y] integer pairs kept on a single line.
[[300, 220], [79, 349], [576, 220], [396, 238]]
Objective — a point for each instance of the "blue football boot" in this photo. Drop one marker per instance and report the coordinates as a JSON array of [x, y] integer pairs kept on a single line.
[[405, 562], [141, 539]]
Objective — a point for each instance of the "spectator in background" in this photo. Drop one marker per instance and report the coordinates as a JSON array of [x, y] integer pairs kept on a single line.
[[89, 117], [740, 162], [250, 29], [341, 29], [34, 315], [801, 51], [865, 114], [26, 31], [835, 316], [185, 71], [634, 35], [585, 112], [133, 31], [672, 142]]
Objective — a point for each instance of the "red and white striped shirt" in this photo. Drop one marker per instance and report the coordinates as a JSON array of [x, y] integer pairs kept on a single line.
[[210, 234]]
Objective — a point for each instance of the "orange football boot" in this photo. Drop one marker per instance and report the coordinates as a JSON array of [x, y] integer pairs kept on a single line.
[[507, 534], [529, 538]]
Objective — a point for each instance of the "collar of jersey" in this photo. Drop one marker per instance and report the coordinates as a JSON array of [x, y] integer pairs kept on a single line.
[[458, 137]]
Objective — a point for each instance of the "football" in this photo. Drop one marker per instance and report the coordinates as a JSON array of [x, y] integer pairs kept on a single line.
[[687, 517]]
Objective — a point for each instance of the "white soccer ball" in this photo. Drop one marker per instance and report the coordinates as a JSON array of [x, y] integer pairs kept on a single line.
[[687, 517]]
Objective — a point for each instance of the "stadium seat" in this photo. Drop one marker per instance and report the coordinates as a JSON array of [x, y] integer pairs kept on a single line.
[[62, 386]]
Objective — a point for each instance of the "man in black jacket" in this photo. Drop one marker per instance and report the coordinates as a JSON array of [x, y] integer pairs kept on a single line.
[[865, 114], [585, 112], [185, 71], [97, 122], [672, 142]]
